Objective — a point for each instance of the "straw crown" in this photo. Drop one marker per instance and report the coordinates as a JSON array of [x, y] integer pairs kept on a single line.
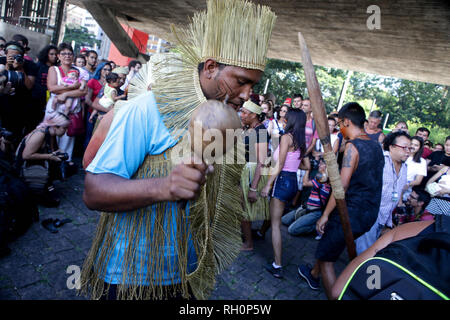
[[237, 33]]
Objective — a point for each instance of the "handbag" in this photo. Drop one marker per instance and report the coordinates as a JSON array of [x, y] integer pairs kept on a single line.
[[36, 176], [76, 126]]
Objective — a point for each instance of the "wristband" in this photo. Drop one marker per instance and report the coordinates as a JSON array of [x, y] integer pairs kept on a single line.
[[252, 189]]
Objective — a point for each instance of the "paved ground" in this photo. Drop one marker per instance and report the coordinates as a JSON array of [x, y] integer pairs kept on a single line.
[[37, 267]]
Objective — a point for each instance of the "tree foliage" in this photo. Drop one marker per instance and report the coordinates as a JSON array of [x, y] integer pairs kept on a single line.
[[81, 36], [417, 102]]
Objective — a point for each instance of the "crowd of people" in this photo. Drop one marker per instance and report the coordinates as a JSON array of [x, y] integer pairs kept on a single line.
[[154, 251], [390, 179], [51, 105]]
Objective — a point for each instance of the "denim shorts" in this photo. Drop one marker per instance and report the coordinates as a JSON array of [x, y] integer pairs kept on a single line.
[[286, 186]]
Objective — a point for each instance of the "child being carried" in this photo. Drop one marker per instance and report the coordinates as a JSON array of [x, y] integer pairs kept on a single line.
[[70, 103], [110, 95]]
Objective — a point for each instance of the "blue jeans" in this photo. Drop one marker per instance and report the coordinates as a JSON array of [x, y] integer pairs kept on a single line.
[[365, 241], [303, 224]]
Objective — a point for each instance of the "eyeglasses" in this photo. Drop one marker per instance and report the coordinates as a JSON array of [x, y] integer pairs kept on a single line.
[[69, 54], [414, 198], [405, 148], [338, 124]]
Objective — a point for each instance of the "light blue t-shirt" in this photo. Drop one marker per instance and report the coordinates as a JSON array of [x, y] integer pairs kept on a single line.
[[137, 130]]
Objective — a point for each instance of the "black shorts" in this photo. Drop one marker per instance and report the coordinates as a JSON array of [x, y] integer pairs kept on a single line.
[[333, 243]]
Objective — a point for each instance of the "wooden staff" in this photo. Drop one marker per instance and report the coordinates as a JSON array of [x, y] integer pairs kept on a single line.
[[320, 118]]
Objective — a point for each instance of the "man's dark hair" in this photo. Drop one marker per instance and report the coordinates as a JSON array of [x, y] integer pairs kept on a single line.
[[43, 54], [391, 139], [422, 195], [254, 97], [1, 38], [421, 129], [64, 46], [332, 119], [448, 138], [375, 114], [298, 95], [133, 64], [353, 112], [21, 38], [91, 51], [112, 77], [15, 43]]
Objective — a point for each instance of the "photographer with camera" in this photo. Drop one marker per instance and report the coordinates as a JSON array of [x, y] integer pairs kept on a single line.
[[39, 159], [16, 103]]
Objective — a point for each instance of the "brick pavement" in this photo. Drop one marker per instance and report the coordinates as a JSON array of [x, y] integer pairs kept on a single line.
[[37, 267]]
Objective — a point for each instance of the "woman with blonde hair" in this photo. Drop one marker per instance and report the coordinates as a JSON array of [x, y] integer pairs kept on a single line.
[[36, 154]]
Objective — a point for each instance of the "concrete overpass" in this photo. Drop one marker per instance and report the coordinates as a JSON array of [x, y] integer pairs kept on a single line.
[[404, 39]]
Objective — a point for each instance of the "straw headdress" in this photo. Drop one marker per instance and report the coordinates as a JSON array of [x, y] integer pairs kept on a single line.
[[232, 32]]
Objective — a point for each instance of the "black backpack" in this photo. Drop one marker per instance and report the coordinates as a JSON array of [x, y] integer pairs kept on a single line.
[[417, 268], [18, 210]]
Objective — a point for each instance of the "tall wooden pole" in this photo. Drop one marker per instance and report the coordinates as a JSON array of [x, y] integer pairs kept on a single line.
[[320, 118]]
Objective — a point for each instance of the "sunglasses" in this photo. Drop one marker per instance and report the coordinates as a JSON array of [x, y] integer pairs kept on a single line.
[[69, 54]]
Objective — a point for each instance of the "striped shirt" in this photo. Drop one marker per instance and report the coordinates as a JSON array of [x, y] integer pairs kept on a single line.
[[316, 198], [393, 184]]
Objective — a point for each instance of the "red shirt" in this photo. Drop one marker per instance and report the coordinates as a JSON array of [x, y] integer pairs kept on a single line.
[[426, 152], [96, 86]]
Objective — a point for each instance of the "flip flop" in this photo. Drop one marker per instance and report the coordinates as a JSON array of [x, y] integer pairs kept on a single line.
[[48, 224], [58, 223]]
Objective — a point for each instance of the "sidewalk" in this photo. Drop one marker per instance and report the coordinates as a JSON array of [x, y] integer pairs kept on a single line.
[[37, 267]]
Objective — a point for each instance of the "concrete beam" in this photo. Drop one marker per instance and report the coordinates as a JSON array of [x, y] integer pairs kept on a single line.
[[108, 21], [413, 41]]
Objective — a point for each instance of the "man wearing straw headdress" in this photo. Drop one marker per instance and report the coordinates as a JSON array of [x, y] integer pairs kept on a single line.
[[146, 246]]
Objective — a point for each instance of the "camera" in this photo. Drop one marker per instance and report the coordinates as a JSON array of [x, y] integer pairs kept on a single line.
[[16, 78], [19, 58], [62, 155], [5, 134]]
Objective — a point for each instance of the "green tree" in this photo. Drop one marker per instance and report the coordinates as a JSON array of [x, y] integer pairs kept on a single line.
[[81, 36], [419, 103]]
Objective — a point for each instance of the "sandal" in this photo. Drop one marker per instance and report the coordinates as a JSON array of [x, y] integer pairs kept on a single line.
[[49, 225], [58, 223]]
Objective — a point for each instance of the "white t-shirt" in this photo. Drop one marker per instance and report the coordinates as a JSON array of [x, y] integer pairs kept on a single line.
[[415, 168], [319, 146]]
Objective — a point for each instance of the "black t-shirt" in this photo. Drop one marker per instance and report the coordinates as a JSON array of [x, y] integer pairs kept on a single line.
[[257, 135], [40, 84], [438, 158]]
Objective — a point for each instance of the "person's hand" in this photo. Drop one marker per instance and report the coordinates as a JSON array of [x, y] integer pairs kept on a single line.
[[265, 191], [252, 196], [53, 157], [18, 66], [185, 181], [444, 190], [75, 85], [6, 88], [61, 98], [406, 187], [321, 223]]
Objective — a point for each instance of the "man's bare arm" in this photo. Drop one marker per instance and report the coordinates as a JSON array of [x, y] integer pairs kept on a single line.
[[110, 192]]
